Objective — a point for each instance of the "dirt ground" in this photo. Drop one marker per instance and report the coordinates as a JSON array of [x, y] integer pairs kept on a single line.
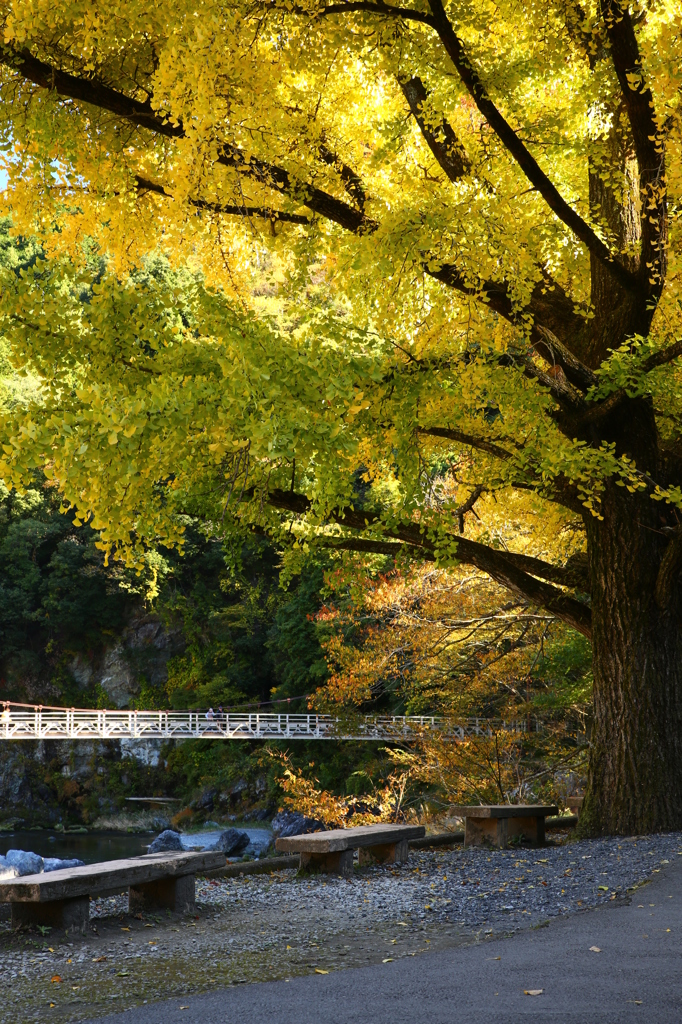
[[127, 960]]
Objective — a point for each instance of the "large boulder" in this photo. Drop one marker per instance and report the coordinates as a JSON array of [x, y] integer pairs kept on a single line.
[[25, 863], [232, 842], [6, 871], [57, 864], [292, 823], [168, 840]]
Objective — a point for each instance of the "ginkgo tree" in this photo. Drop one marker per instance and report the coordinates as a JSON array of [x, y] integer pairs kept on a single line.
[[434, 253]]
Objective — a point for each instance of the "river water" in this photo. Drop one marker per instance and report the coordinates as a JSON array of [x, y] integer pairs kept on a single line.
[[94, 847]]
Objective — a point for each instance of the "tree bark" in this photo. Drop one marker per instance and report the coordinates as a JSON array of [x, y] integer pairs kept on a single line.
[[635, 773]]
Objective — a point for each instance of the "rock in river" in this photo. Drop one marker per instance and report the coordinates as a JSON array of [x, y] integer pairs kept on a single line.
[[56, 864], [292, 823], [25, 863], [232, 842], [168, 840]]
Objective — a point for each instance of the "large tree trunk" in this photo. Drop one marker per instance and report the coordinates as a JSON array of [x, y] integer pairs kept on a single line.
[[635, 775]]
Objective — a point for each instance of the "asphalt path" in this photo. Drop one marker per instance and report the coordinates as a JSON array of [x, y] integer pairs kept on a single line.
[[636, 975]]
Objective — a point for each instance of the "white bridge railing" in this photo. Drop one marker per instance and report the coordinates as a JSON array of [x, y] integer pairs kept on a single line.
[[22, 723]]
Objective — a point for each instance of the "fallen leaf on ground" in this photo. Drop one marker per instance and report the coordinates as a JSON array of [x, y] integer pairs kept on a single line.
[[403, 924], [388, 960], [122, 974], [493, 958], [125, 929], [50, 949], [98, 959], [533, 991], [595, 949], [55, 978], [184, 1007], [318, 970], [603, 888]]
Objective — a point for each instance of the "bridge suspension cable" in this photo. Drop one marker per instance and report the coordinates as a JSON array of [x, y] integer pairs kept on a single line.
[[35, 722]]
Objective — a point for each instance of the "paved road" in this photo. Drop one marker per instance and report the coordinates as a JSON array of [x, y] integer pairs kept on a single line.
[[636, 976]]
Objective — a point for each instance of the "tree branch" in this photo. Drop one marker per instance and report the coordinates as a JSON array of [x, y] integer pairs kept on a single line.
[[440, 137], [386, 10], [648, 140], [507, 568], [461, 438], [549, 306], [144, 185], [666, 355], [521, 155], [142, 115], [352, 182], [556, 352]]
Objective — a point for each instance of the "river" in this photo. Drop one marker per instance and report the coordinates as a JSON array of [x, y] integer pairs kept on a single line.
[[94, 847]]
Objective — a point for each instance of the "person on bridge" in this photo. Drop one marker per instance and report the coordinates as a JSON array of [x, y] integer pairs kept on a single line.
[[6, 716], [210, 718]]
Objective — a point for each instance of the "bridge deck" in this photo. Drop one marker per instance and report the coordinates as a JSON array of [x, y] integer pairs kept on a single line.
[[36, 723]]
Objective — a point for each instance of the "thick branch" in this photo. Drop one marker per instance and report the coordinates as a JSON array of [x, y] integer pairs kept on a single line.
[[387, 10], [461, 438], [144, 185], [507, 568], [518, 151], [665, 355], [551, 349], [549, 306], [597, 411], [352, 182], [648, 139], [142, 115], [440, 137]]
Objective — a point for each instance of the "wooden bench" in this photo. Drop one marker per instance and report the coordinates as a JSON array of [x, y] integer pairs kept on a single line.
[[332, 852], [61, 899], [496, 824]]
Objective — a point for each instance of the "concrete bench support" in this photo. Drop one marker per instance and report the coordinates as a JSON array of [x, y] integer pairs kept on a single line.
[[498, 825], [384, 853], [498, 831], [71, 915], [176, 894], [340, 863]]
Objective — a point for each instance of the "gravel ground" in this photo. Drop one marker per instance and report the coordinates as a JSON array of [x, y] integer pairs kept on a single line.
[[262, 927]]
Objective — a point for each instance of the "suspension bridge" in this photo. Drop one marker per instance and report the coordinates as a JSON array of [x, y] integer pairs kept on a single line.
[[35, 722]]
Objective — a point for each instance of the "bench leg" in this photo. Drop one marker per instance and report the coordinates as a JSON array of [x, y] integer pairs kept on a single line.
[[175, 894], [481, 832], [530, 829], [384, 853], [73, 914], [328, 863]]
